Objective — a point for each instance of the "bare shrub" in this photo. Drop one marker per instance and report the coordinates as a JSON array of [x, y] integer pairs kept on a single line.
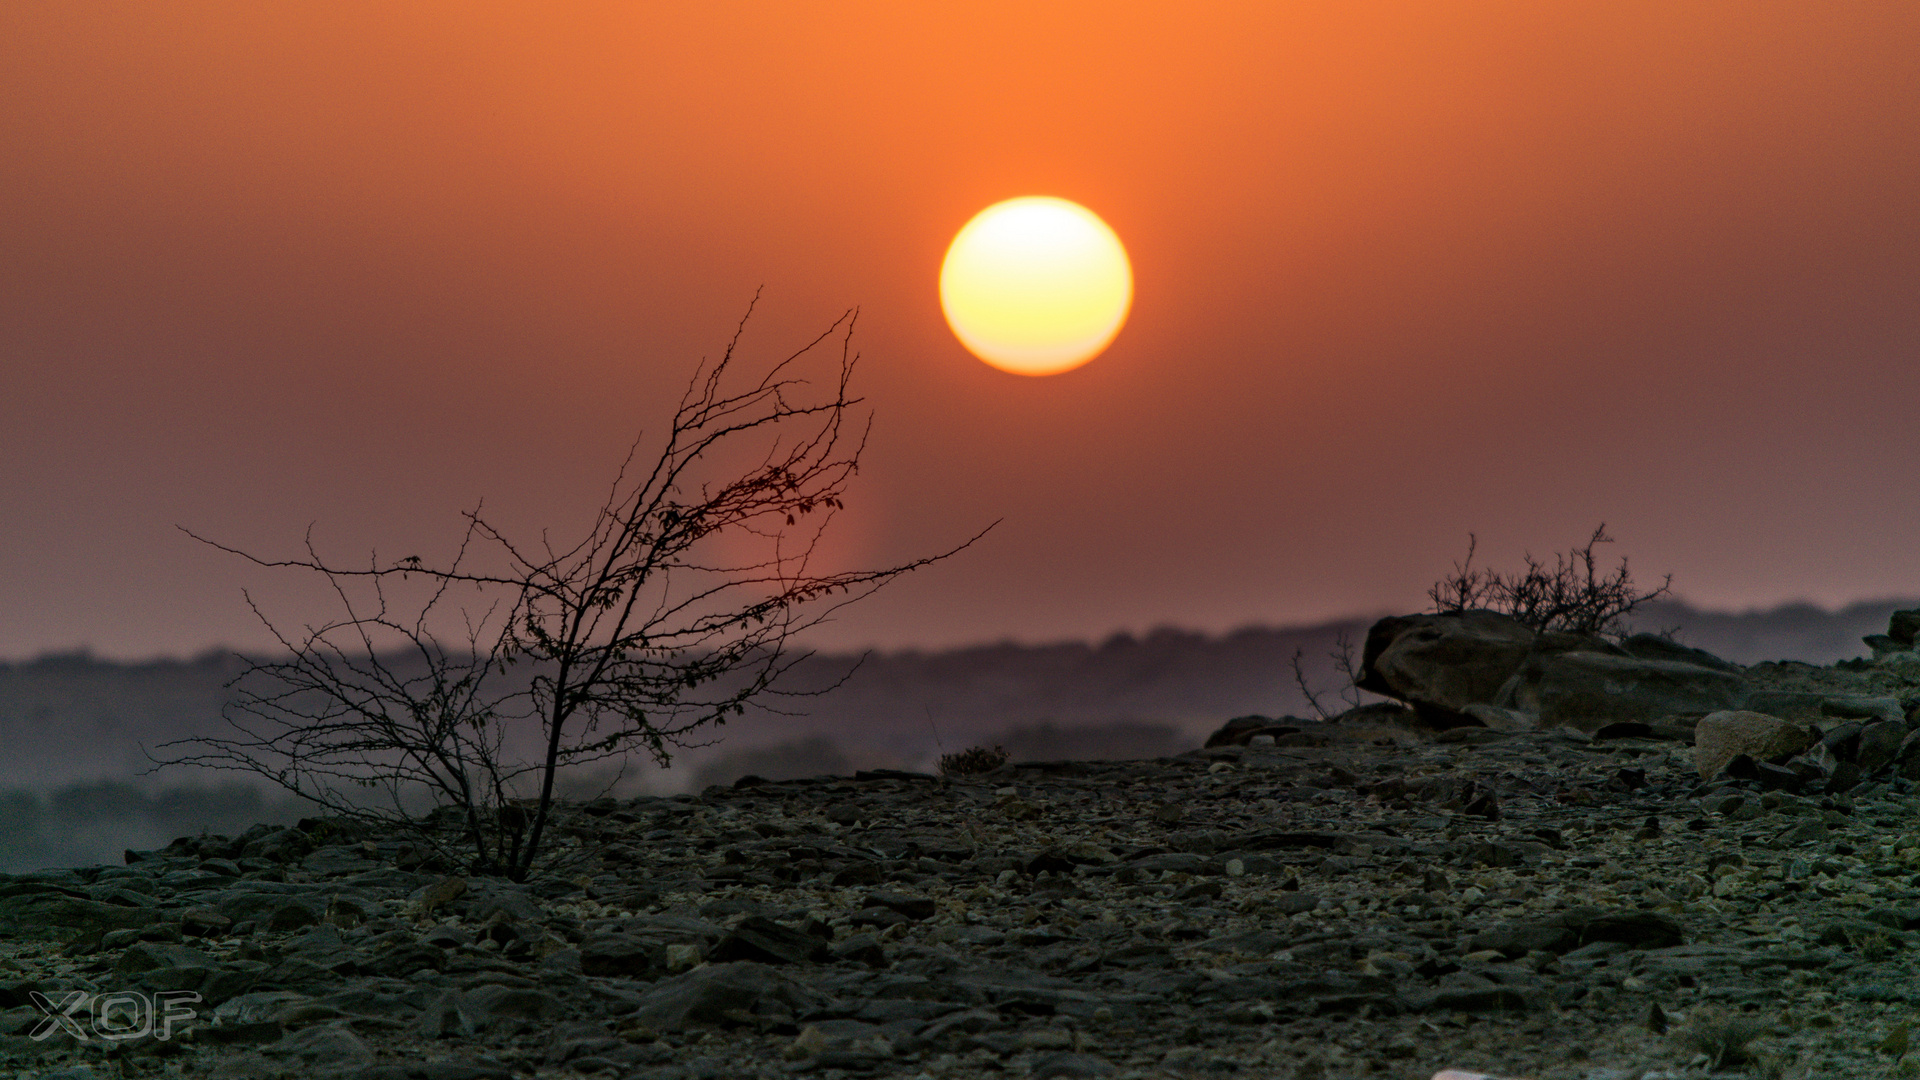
[[1725, 1038], [1343, 661], [973, 761], [1571, 595], [675, 610]]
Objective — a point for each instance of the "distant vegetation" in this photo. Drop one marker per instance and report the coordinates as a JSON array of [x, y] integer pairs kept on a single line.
[[818, 756], [90, 823], [1044, 741]]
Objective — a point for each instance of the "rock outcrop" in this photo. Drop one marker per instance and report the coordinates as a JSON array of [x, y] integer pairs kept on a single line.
[[1594, 684], [1828, 733], [1440, 664]]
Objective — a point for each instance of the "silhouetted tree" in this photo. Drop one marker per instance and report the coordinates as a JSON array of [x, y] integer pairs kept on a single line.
[[645, 630]]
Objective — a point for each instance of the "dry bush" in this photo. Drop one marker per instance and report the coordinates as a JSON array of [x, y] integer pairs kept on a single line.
[[973, 762], [1342, 657], [1571, 595], [1725, 1038], [680, 605]]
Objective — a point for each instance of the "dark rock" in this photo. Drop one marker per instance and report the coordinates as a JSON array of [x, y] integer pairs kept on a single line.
[[1503, 853], [1181, 862], [1443, 662], [322, 944], [204, 922], [1810, 831], [1517, 941], [1489, 999], [447, 937], [1051, 862], [514, 902], [1843, 777], [42, 915], [1587, 689], [166, 967], [325, 1048], [860, 873], [1791, 777], [707, 994], [337, 860], [405, 960], [1862, 936], [231, 980], [767, 942], [431, 1070], [280, 845], [273, 910], [1635, 929], [1070, 1066], [876, 917], [1878, 744], [1241, 730], [491, 1003], [1904, 628], [1896, 918], [909, 906], [1907, 758], [1656, 647], [861, 949], [621, 955]]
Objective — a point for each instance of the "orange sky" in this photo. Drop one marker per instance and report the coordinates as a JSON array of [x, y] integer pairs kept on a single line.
[[1403, 271]]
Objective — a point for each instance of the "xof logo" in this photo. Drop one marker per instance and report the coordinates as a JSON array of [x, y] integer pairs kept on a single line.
[[115, 1017]]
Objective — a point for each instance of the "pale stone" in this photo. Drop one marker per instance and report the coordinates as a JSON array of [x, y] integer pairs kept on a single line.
[[1722, 736]]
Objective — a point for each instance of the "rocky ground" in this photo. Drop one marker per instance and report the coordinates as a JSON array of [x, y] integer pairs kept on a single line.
[[1363, 898]]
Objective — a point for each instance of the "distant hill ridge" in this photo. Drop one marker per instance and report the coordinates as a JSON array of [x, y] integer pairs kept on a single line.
[[72, 726], [72, 717]]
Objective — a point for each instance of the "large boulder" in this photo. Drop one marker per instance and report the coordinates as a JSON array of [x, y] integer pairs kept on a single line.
[[1440, 664], [1899, 647], [1722, 736], [1590, 687], [1878, 744], [1904, 628]]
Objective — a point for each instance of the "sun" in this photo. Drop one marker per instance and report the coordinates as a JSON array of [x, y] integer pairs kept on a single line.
[[1036, 285]]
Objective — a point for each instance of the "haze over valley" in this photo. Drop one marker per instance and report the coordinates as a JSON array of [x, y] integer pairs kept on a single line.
[[74, 786]]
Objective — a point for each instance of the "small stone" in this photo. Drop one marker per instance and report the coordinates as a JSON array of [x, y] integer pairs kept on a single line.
[[327, 1048], [809, 1043], [1071, 1066], [1806, 832], [682, 955], [203, 922], [438, 895], [1046, 1039], [764, 941]]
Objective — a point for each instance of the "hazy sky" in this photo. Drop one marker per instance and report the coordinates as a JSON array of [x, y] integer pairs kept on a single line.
[[1404, 271]]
